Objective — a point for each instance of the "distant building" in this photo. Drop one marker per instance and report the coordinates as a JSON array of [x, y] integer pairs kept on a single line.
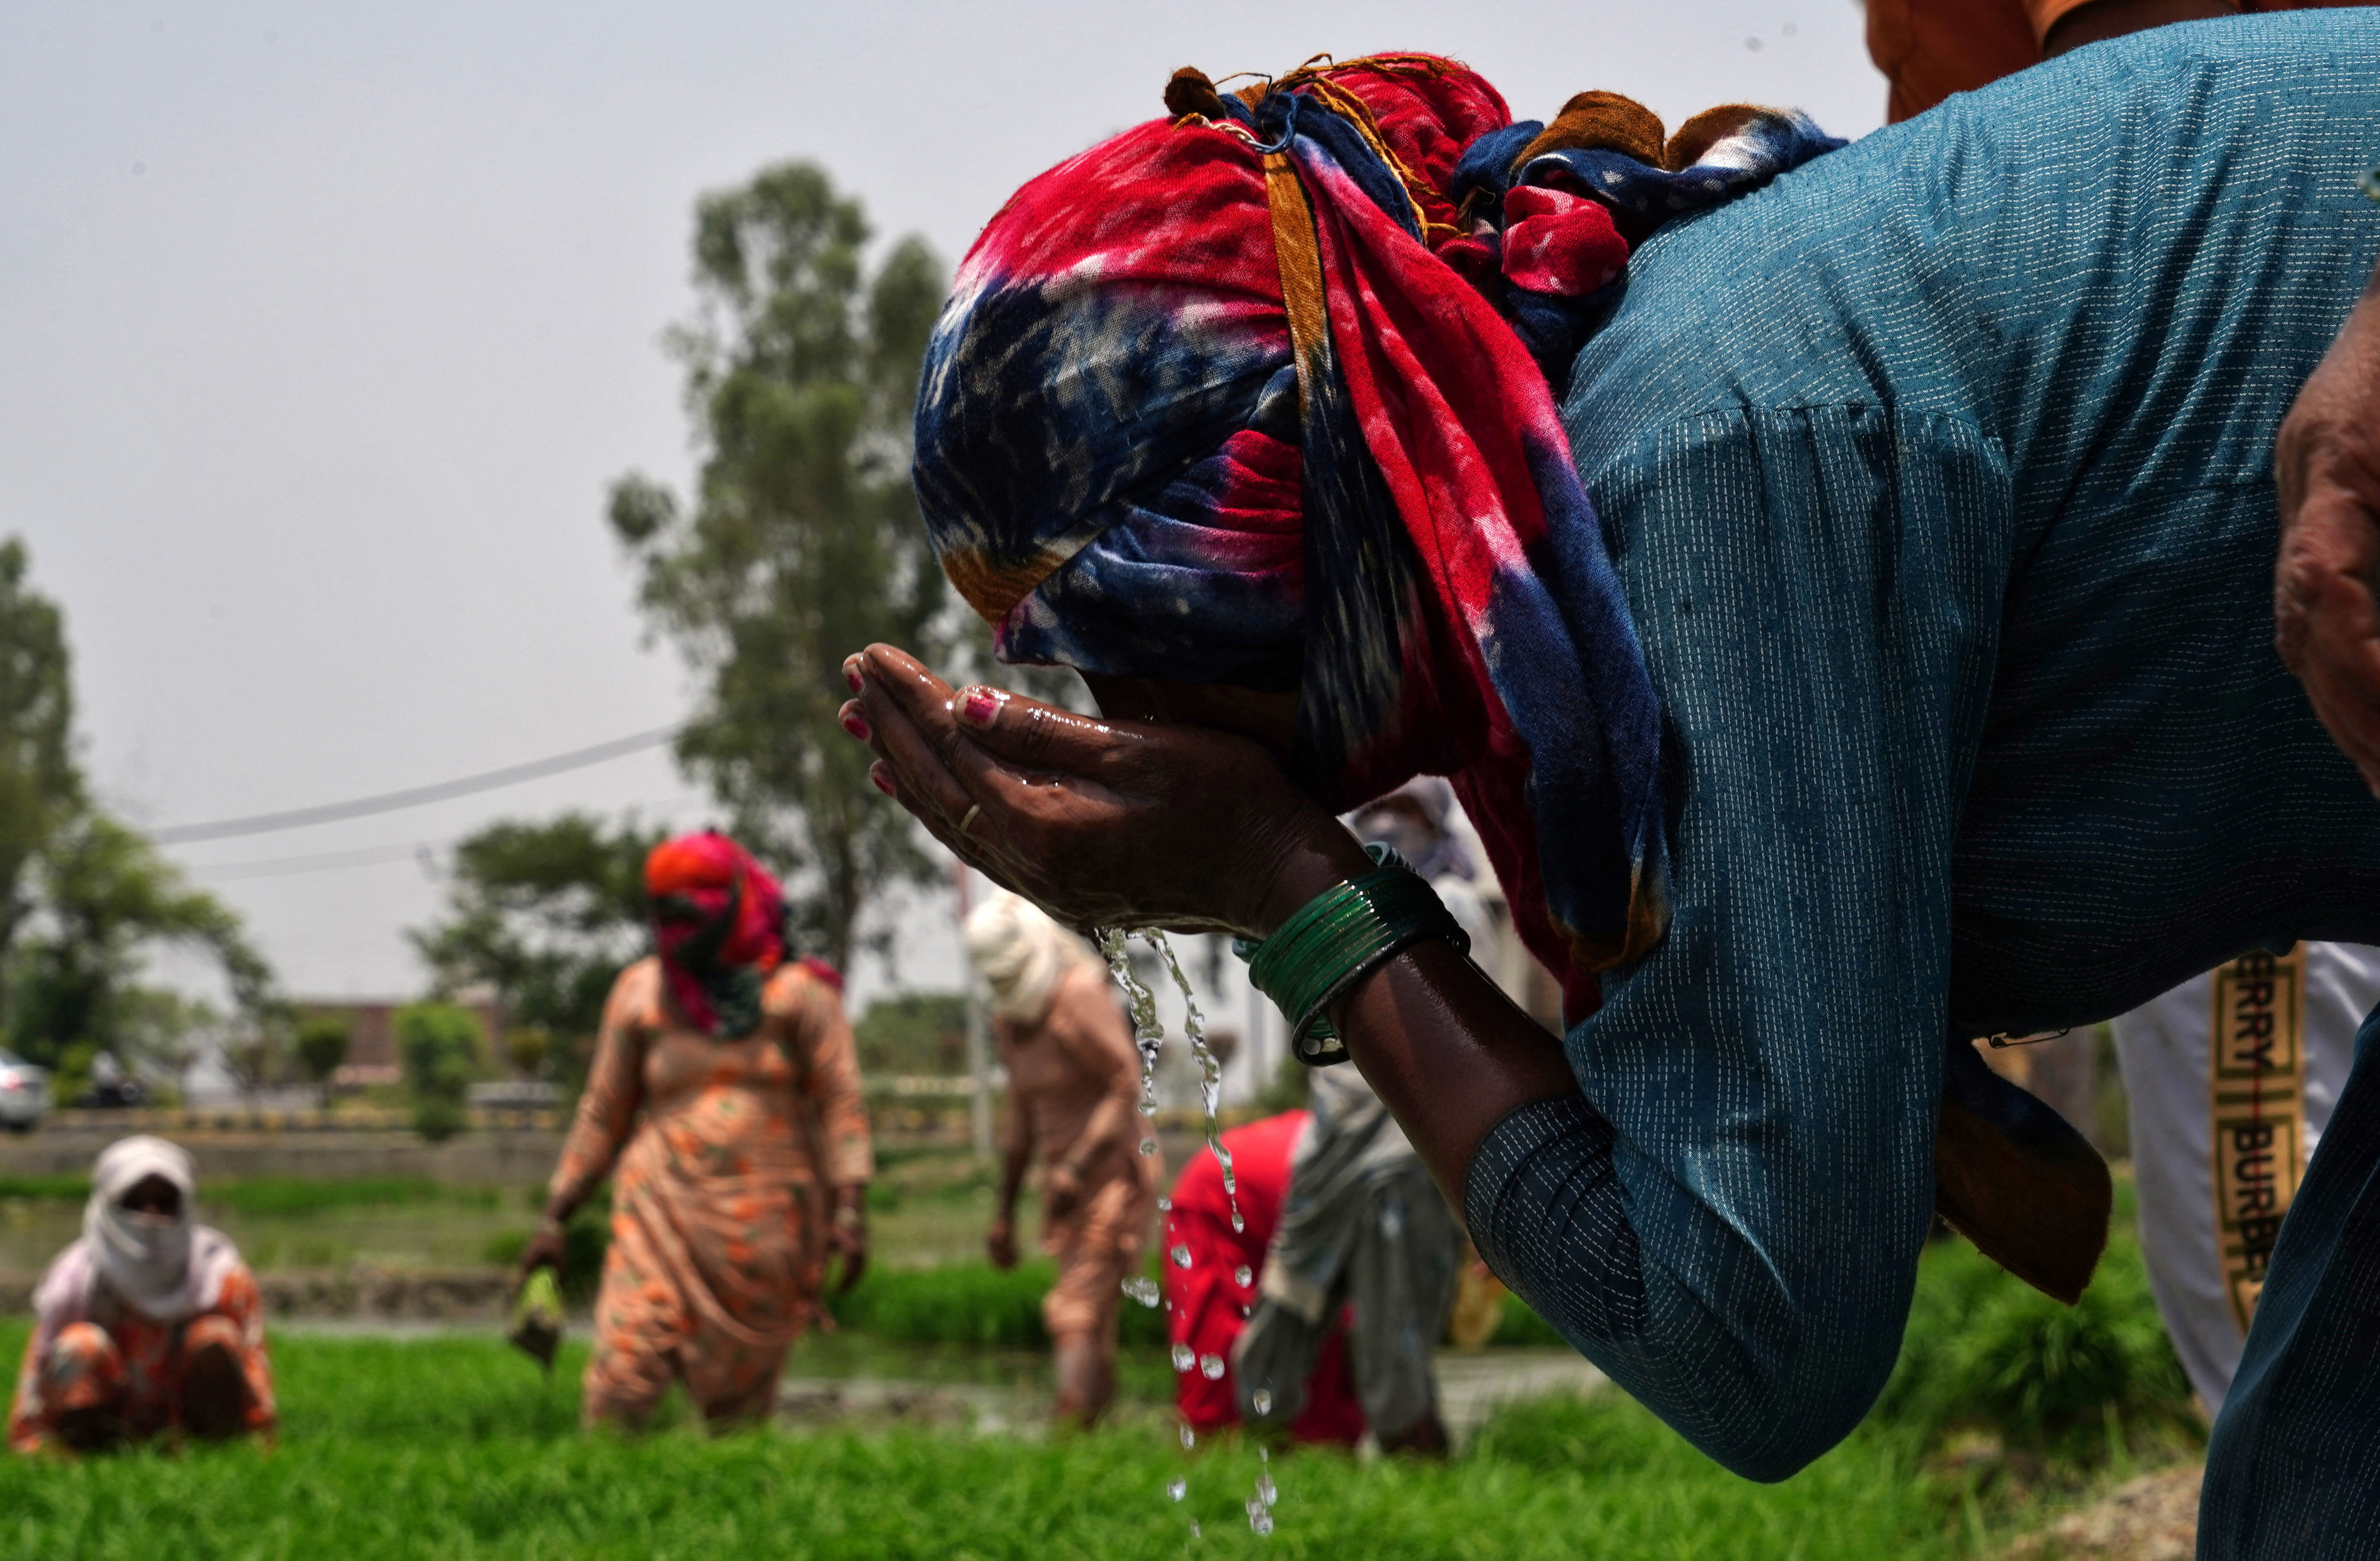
[[371, 1033]]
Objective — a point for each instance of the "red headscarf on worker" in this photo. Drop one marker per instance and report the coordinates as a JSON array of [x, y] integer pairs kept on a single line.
[[1258, 393], [718, 921]]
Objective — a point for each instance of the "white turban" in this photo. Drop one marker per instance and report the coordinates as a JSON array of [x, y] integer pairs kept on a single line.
[[1022, 955], [167, 1268]]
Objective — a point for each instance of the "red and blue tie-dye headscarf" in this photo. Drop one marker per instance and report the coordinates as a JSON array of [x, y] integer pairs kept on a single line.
[[719, 922], [1258, 393]]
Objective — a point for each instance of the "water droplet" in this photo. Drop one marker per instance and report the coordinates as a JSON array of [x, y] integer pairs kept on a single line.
[[1178, 1489], [1142, 1289], [1193, 1527], [1165, 1205], [1183, 1357], [1244, 1275], [1189, 1438], [1261, 1400], [1258, 1518], [1266, 1491], [1238, 1224], [1149, 1146], [1211, 1367], [1181, 1255]]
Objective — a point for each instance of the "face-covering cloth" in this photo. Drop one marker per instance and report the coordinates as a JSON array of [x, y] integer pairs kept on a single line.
[[169, 1268], [719, 924], [1021, 954]]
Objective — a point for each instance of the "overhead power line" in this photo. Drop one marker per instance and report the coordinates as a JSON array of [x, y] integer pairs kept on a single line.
[[416, 796], [426, 853], [278, 867]]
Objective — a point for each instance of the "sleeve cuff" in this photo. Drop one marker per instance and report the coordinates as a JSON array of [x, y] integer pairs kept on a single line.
[[1546, 1212]]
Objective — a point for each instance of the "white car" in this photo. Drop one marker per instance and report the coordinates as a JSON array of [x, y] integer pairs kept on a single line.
[[24, 1094]]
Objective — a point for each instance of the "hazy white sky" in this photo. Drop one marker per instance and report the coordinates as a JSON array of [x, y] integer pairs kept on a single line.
[[324, 328]]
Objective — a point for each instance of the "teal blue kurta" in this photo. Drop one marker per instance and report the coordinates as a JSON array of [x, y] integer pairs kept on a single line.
[[1939, 474]]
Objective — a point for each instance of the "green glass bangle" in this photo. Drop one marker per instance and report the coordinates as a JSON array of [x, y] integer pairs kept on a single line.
[[1336, 938]]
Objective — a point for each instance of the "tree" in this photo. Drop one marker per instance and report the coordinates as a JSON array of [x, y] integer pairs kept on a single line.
[[253, 1055], [530, 1049], [106, 896], [912, 1033], [39, 783], [438, 1046], [546, 913], [169, 1031], [802, 542], [323, 1042]]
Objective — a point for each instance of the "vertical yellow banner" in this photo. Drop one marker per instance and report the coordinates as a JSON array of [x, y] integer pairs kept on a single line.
[[2257, 1070]]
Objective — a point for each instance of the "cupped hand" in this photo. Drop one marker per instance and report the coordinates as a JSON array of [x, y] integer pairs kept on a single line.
[[1000, 1244], [1102, 823], [2326, 463]]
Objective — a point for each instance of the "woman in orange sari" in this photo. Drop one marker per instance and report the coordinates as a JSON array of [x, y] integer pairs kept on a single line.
[[724, 1097]]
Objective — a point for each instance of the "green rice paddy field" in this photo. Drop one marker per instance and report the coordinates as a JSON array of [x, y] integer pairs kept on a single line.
[[452, 1447], [2006, 1408]]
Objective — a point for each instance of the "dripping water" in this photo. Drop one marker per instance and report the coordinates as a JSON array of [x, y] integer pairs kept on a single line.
[[1211, 1073], [1148, 1038], [1260, 1505], [1147, 1032]]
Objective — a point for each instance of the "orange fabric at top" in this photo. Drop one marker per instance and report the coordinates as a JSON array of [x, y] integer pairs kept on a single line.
[[1929, 49]]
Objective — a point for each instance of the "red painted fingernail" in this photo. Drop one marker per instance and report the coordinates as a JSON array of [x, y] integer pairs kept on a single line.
[[856, 727], [877, 778], [980, 706], [851, 674]]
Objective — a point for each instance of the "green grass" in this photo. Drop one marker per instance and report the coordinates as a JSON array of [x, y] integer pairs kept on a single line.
[[283, 1195], [456, 1447], [45, 1189], [971, 1303]]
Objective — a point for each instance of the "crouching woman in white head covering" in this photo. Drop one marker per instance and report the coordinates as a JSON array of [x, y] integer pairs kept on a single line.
[[148, 1324]]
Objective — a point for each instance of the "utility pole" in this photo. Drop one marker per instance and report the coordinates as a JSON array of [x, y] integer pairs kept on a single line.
[[978, 1040]]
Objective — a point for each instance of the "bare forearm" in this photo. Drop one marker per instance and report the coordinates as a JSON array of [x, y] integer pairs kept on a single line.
[[1450, 1055], [1446, 1049], [1012, 1181]]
